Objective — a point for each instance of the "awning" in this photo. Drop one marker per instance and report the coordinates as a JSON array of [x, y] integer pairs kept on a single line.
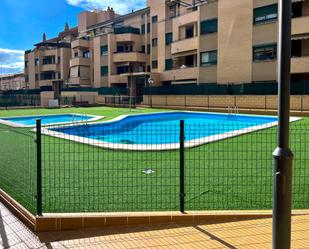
[[300, 37], [294, 1]]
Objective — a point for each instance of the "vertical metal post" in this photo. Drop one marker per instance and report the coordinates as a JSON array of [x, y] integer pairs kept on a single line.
[[39, 167], [182, 167], [283, 156]]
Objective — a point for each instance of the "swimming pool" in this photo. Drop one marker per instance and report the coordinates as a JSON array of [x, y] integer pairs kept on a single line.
[[30, 121], [160, 131]]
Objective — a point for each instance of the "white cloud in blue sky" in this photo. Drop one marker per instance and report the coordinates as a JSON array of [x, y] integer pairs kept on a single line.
[[120, 6], [11, 61]]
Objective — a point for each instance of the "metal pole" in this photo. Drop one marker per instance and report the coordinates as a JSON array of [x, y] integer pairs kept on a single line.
[[39, 167], [182, 167], [283, 156]]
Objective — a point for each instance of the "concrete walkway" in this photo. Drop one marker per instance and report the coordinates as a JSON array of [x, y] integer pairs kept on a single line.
[[240, 234]]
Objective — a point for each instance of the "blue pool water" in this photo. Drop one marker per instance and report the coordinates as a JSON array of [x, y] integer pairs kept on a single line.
[[48, 119], [163, 128]]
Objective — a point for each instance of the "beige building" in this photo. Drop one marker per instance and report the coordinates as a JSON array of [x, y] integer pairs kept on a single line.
[[173, 42], [12, 82]]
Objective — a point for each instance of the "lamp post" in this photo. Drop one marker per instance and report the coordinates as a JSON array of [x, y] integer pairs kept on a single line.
[[283, 156], [150, 82]]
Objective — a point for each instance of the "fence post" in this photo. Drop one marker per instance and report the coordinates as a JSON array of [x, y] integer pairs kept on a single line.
[[39, 167], [182, 167]]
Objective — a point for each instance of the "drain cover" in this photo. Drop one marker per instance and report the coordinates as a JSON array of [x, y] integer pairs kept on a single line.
[[148, 171]]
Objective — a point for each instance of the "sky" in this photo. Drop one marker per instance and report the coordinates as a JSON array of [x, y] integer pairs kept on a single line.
[[22, 23]]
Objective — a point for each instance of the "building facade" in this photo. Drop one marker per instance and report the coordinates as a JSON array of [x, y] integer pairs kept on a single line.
[[173, 42], [12, 82]]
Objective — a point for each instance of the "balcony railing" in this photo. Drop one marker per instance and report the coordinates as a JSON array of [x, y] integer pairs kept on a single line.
[[80, 61], [129, 57], [300, 64], [185, 45], [300, 25], [126, 30]]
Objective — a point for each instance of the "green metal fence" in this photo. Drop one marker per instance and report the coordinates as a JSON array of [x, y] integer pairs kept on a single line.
[[79, 175], [259, 88], [18, 100]]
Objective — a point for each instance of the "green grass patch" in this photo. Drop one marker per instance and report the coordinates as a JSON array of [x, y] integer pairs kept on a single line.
[[235, 173]]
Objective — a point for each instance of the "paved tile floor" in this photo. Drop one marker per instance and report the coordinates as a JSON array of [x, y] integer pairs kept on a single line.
[[241, 234]]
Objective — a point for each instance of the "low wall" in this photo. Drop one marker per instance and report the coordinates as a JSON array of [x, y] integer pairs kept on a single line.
[[90, 97], [256, 102]]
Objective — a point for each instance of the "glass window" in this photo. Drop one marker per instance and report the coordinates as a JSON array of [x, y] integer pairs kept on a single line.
[[168, 64], [26, 64], [209, 26], [148, 49], [143, 49], [104, 71], [154, 19], [104, 50], [143, 28], [148, 27], [209, 58], [265, 14], [168, 38], [265, 52], [86, 54], [155, 42], [154, 64], [37, 62]]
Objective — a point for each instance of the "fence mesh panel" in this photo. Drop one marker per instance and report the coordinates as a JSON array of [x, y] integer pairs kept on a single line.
[[102, 168], [18, 165], [133, 167]]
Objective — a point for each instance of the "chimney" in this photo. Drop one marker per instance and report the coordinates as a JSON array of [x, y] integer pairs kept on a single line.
[[111, 12], [44, 37], [67, 27]]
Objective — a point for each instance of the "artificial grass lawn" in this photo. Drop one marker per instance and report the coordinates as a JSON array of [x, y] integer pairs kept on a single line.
[[235, 173]]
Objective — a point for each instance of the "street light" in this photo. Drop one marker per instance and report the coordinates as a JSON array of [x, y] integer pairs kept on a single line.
[[283, 156], [150, 83]]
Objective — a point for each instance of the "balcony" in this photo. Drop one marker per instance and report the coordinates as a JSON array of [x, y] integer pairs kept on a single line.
[[300, 25], [118, 79], [49, 67], [184, 19], [127, 38], [80, 61], [129, 57], [185, 45], [300, 65], [188, 73], [80, 43]]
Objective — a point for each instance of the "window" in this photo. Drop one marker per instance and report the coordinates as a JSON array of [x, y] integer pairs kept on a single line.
[[37, 62], [154, 19], [155, 42], [86, 54], [143, 49], [104, 50], [143, 28], [209, 58], [265, 52], [189, 31], [154, 64], [148, 27], [26, 64], [148, 49], [104, 71], [209, 26], [76, 54], [123, 69], [58, 60], [37, 77], [168, 64], [168, 38], [265, 14], [173, 11]]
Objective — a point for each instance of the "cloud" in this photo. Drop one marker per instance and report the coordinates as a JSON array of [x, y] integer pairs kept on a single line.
[[120, 6], [11, 61]]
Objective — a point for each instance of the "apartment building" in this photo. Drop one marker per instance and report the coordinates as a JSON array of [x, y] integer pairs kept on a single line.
[[176, 42], [48, 64], [12, 82]]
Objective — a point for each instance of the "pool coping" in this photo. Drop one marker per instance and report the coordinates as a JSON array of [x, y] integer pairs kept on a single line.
[[161, 147], [16, 125]]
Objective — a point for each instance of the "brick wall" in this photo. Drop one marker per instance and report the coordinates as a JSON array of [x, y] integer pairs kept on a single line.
[[269, 102]]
